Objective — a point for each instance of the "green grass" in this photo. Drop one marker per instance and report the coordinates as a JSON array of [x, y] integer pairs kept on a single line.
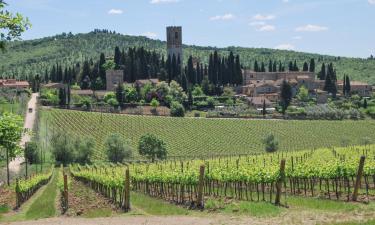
[[206, 137], [142, 204], [257, 209], [321, 204], [44, 205]]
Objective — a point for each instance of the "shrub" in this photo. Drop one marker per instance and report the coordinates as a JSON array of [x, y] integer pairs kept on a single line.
[[117, 148], [31, 152], [211, 102], [84, 149], [154, 103], [113, 102], [177, 110], [271, 144], [62, 147], [152, 147]]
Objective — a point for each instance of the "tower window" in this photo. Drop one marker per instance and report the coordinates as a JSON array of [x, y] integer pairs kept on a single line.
[[176, 35]]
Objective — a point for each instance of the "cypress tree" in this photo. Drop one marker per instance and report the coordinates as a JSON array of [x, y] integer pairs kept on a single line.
[[286, 95], [291, 68], [256, 66], [348, 86], [101, 68], [322, 74], [344, 86], [270, 66], [305, 67], [365, 103], [312, 65], [117, 57], [239, 79], [190, 71], [295, 67], [280, 67]]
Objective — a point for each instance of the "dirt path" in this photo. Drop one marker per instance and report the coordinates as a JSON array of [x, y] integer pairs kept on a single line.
[[84, 201], [15, 165], [304, 218]]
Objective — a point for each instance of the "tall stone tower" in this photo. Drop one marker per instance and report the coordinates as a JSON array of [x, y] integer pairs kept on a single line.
[[174, 42]]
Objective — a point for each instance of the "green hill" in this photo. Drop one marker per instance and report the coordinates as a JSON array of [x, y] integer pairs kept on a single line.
[[24, 58]]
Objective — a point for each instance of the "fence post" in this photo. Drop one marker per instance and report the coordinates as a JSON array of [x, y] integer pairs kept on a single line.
[[358, 179], [66, 201], [200, 199], [280, 182], [127, 191]]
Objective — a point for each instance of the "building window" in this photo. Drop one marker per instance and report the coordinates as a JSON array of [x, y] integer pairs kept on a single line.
[[176, 35]]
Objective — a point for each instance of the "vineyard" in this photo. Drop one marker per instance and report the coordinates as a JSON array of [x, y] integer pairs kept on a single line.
[[191, 137], [326, 173], [25, 188]]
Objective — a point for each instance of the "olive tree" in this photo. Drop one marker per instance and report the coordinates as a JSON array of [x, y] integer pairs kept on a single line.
[[117, 148], [152, 147], [271, 144]]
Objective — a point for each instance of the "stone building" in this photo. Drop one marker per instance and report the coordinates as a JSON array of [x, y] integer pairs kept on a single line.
[[114, 78], [174, 42]]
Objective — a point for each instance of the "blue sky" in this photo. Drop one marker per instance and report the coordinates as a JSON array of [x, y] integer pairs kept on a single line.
[[335, 27]]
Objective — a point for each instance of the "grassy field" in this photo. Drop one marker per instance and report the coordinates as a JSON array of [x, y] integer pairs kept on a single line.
[[199, 137]]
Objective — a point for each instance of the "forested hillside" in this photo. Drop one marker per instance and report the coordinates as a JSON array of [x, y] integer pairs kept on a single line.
[[25, 58]]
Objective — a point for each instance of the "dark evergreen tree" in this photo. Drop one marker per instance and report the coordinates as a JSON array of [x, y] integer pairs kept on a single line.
[[286, 95], [101, 68], [312, 65], [347, 85], [290, 66], [117, 57], [305, 67], [256, 67], [322, 74]]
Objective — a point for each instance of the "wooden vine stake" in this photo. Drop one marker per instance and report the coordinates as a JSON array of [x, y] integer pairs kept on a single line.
[[280, 182], [127, 191], [66, 202], [200, 200], [358, 179]]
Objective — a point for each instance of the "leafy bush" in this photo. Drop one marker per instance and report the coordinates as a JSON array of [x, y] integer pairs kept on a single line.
[[117, 148], [177, 110], [67, 148], [31, 152]]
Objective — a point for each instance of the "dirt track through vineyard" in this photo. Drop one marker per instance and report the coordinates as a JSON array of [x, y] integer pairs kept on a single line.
[[303, 217]]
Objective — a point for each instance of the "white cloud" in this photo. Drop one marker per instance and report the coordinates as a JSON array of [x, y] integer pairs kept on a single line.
[[149, 34], [115, 12], [227, 16], [257, 23], [372, 2], [163, 1], [266, 28], [285, 1], [285, 47], [311, 28], [264, 17], [297, 37]]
